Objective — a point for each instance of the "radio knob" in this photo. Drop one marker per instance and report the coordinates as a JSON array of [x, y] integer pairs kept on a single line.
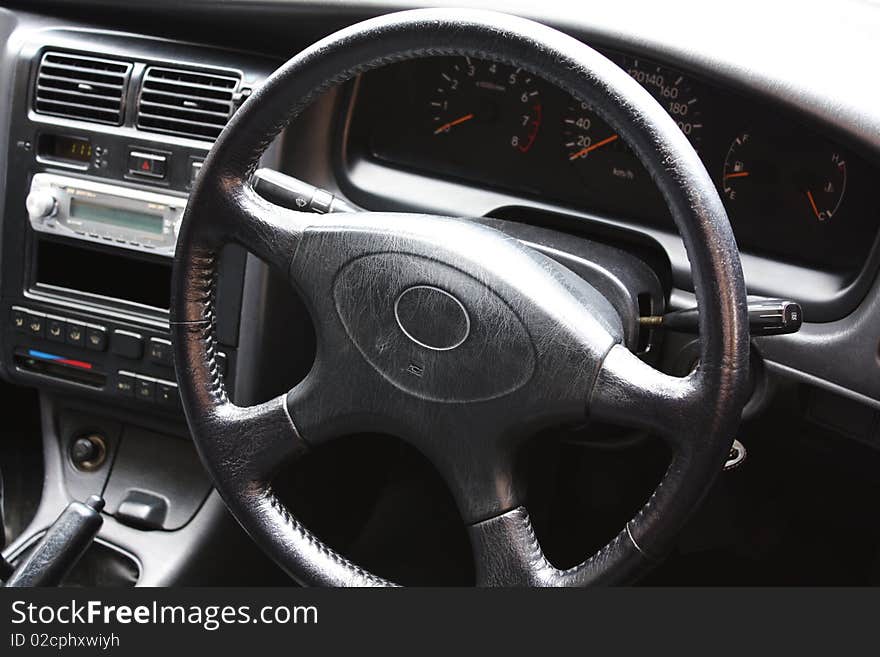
[[40, 205]]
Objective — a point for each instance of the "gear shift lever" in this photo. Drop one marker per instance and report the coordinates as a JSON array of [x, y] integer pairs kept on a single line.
[[62, 546]]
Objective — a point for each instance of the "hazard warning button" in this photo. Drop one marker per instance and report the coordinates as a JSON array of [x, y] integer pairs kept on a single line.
[[147, 165]]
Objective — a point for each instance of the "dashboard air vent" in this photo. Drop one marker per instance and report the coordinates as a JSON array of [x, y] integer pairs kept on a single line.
[[80, 87], [186, 103]]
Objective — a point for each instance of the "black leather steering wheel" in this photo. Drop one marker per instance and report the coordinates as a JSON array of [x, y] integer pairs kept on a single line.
[[447, 333]]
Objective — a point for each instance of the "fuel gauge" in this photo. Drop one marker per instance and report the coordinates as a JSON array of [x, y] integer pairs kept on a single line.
[[784, 174]]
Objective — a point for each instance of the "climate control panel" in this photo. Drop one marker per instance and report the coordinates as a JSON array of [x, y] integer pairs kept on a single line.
[[108, 357]]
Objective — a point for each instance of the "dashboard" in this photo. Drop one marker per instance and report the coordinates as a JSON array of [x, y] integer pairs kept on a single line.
[[791, 139], [790, 191], [442, 135]]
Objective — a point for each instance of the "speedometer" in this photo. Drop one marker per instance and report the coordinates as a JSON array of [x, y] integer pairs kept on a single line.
[[673, 90], [593, 147]]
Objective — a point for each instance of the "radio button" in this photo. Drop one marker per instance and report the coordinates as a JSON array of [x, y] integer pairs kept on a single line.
[[55, 329], [159, 351], [147, 165], [96, 338], [76, 334], [127, 344], [36, 324]]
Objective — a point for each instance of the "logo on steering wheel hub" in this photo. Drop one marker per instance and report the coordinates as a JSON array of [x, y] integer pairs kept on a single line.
[[432, 318]]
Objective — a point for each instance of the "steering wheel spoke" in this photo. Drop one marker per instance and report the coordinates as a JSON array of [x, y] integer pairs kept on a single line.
[[506, 551], [269, 231], [255, 440], [631, 393]]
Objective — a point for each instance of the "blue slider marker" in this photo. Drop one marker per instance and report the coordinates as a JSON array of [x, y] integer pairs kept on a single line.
[[61, 360]]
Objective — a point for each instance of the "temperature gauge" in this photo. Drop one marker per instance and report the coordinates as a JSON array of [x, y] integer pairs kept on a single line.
[[784, 174]]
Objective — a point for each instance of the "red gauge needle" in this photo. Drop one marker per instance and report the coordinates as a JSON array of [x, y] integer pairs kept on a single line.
[[738, 174], [592, 147], [451, 124], [813, 204]]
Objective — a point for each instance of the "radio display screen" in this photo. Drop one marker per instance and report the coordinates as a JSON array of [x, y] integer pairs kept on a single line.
[[143, 221]]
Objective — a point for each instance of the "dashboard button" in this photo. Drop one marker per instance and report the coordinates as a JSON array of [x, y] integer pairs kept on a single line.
[[55, 329], [147, 165], [127, 344], [76, 333], [36, 324], [195, 168], [96, 338], [145, 389], [166, 394], [18, 319], [125, 384], [159, 352]]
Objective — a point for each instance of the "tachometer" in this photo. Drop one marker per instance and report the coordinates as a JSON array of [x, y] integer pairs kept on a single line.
[[476, 95]]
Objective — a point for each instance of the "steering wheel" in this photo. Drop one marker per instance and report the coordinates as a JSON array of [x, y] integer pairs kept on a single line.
[[448, 334]]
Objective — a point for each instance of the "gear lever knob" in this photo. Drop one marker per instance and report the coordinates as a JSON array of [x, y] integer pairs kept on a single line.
[[62, 546]]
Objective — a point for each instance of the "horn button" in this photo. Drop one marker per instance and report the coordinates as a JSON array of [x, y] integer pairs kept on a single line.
[[432, 318], [431, 330]]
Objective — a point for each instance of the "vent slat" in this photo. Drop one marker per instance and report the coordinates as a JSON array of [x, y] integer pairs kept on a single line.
[[80, 87], [185, 100], [100, 100], [45, 77], [82, 61], [78, 72], [157, 107], [64, 103], [199, 90], [193, 79], [186, 103]]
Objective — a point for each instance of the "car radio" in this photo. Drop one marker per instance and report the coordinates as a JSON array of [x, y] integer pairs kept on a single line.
[[105, 213]]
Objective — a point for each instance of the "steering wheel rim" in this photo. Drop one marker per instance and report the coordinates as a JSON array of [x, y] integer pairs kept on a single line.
[[242, 447]]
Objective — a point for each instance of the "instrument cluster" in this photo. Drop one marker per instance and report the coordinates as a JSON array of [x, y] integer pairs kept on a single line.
[[789, 191]]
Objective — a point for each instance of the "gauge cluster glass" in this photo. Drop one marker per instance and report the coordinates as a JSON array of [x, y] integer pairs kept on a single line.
[[788, 191]]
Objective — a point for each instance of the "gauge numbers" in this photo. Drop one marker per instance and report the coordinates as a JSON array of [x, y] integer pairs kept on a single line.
[[674, 91], [500, 101]]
